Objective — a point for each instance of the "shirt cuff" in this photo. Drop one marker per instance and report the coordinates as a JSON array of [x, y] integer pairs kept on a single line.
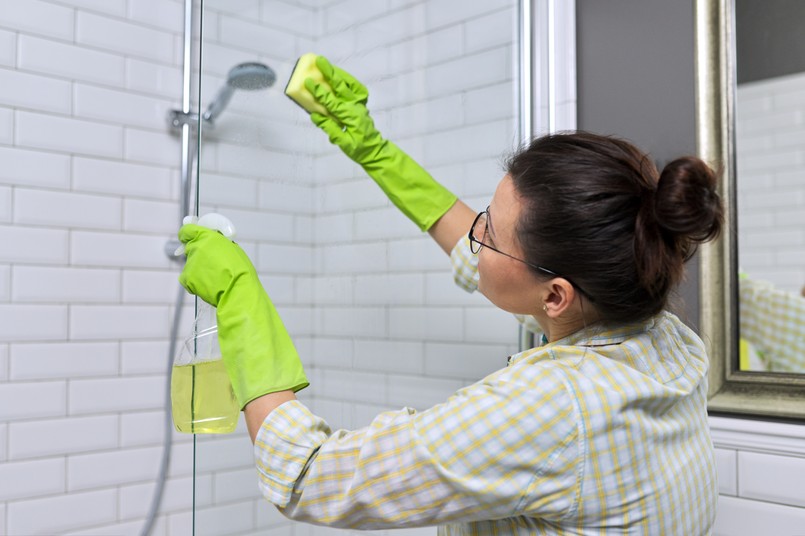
[[465, 265], [288, 438]]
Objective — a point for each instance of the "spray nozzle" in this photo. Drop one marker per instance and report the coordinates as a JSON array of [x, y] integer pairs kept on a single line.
[[212, 220]]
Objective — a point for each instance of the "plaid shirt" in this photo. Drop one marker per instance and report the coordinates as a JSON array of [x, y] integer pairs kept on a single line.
[[773, 322], [604, 431]]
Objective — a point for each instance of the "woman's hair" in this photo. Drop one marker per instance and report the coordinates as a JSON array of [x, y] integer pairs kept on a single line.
[[598, 213]]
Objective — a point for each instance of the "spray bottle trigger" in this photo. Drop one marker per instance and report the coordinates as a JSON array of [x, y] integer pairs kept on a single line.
[[212, 220], [219, 222]]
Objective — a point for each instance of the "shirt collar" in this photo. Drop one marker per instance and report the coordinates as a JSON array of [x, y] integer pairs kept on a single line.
[[591, 336], [602, 335]]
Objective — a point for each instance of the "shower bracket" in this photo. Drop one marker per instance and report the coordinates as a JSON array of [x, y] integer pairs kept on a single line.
[[177, 119]]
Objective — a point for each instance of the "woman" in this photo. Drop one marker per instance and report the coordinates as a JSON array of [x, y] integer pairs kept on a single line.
[[602, 429]]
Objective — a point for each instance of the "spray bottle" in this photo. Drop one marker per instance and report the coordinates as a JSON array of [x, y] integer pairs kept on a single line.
[[202, 399]]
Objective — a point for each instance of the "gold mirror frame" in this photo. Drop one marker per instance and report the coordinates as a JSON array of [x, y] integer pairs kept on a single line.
[[731, 391]]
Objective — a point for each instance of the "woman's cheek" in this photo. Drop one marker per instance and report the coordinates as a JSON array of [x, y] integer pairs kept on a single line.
[[481, 271], [490, 280]]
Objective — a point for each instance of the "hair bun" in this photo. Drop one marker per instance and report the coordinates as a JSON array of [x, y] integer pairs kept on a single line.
[[686, 203]]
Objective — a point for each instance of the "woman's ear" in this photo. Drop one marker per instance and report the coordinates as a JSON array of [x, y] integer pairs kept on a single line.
[[559, 297]]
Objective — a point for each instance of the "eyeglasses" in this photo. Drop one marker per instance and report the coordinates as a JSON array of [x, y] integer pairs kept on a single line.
[[476, 244]]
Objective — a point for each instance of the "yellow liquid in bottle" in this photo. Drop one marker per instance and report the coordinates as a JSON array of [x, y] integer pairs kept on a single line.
[[202, 399]]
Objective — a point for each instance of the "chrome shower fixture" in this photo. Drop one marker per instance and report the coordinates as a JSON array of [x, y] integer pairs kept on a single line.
[[249, 76]]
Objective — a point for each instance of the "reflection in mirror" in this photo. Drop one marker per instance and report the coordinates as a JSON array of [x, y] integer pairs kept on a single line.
[[770, 179]]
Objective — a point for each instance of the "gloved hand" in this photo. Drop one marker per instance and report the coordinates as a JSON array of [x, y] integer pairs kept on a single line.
[[405, 182], [256, 349]]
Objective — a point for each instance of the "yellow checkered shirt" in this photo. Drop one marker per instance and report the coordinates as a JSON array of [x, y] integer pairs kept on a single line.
[[773, 321], [603, 432]]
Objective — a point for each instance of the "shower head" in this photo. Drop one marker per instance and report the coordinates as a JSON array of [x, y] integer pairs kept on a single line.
[[249, 76]]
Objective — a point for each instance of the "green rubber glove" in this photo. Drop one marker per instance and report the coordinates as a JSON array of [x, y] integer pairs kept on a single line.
[[257, 351], [405, 182]]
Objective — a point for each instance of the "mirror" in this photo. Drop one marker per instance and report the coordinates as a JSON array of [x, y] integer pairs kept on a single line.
[[770, 183], [754, 273]]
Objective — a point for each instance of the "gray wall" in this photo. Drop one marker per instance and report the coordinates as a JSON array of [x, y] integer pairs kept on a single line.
[[770, 38], [636, 80]]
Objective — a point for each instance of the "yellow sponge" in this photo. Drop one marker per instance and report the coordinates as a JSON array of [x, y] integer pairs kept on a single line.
[[295, 89]]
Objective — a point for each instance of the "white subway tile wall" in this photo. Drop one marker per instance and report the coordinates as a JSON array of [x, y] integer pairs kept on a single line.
[[89, 185], [58, 59], [123, 179], [34, 168], [5, 204], [3, 443], [770, 478], [66, 209], [68, 135], [30, 91], [125, 37], [134, 499], [746, 517], [8, 48], [88, 195], [76, 435], [6, 126], [23, 322], [88, 471], [727, 469], [59, 512], [55, 360], [32, 478], [770, 138], [4, 374]]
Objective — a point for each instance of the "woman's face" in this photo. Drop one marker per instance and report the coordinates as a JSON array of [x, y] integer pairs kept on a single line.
[[506, 282]]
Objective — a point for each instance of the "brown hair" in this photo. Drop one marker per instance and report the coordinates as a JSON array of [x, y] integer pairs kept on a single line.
[[598, 212]]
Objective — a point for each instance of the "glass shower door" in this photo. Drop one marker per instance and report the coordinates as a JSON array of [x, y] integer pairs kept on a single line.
[[367, 298]]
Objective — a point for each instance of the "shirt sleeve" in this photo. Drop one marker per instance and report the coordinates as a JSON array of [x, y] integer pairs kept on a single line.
[[465, 265], [494, 450], [773, 321]]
